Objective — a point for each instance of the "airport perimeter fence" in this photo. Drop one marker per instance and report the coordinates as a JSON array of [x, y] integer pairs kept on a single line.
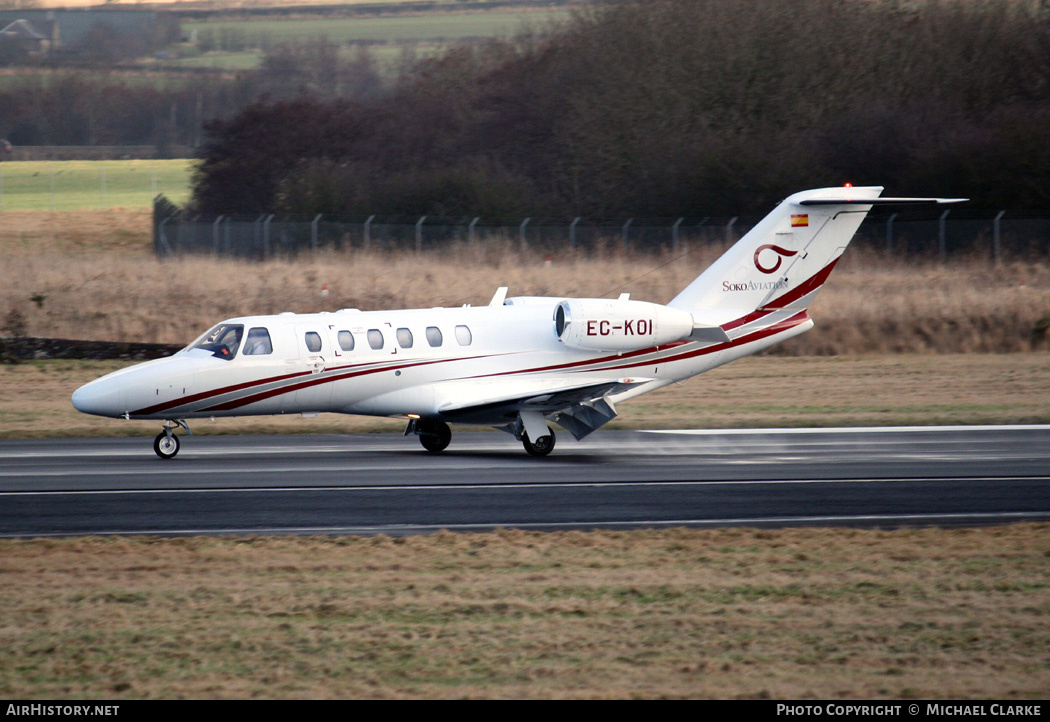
[[946, 234]]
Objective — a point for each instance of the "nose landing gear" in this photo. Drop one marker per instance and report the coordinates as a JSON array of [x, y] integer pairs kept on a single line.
[[167, 444]]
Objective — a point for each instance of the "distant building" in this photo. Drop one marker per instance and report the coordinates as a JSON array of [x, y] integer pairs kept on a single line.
[[39, 37]]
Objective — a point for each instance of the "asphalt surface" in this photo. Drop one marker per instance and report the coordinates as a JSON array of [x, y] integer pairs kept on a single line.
[[370, 484]]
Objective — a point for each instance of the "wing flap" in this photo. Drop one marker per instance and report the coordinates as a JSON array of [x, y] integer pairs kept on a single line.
[[496, 402]]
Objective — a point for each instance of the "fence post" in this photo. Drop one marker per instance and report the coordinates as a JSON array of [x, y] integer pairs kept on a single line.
[[313, 232], [162, 240], [521, 233], [187, 228], [215, 235], [470, 230], [942, 235], [889, 234], [368, 235], [266, 237], [674, 234], [419, 234], [626, 226], [255, 233], [572, 232], [996, 236], [729, 229]]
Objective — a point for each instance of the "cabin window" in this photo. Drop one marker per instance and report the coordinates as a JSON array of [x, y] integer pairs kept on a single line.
[[313, 341], [258, 342], [434, 336], [222, 341], [346, 340], [375, 338], [404, 338], [463, 335]]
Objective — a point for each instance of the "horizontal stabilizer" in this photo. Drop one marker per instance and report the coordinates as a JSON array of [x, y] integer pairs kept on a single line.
[[878, 201]]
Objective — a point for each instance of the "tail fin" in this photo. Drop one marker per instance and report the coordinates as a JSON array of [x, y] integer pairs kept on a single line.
[[781, 263]]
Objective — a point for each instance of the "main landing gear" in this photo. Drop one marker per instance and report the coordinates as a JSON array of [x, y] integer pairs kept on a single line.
[[542, 441], [167, 444], [542, 446], [435, 436]]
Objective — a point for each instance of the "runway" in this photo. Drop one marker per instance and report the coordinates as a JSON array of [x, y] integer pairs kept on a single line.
[[382, 483]]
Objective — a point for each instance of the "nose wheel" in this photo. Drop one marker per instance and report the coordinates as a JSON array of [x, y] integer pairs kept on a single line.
[[167, 444]]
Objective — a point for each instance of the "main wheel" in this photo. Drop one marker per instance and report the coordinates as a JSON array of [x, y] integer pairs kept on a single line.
[[166, 445], [542, 446], [434, 435]]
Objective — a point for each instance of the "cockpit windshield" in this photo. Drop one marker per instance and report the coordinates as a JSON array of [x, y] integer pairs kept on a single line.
[[222, 341]]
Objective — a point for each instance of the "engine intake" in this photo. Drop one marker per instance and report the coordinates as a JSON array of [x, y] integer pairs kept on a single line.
[[598, 324]]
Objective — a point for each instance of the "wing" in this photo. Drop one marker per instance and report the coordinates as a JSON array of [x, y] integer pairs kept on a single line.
[[580, 407]]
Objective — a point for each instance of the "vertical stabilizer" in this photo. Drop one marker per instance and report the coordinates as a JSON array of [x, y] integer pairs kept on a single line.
[[782, 262]]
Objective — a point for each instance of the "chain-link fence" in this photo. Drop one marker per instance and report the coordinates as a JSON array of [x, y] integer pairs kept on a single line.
[[998, 235]]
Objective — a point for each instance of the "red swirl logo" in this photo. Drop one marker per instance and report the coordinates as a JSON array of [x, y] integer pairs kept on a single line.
[[782, 253]]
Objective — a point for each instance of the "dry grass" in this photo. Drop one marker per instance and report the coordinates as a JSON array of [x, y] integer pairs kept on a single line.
[[73, 233], [93, 276], [825, 614]]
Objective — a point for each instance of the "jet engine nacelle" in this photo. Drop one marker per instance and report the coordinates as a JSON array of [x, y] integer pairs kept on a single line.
[[598, 324]]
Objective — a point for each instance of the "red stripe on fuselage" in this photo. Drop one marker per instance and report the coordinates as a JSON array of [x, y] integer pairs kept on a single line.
[[795, 320], [780, 327], [327, 378], [193, 398], [323, 377]]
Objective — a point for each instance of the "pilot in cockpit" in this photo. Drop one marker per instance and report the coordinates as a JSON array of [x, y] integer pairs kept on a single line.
[[230, 342]]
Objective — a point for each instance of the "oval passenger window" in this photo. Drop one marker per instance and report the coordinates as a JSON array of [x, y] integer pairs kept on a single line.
[[346, 340]]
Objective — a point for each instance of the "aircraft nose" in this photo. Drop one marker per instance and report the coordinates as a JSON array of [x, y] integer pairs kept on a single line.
[[98, 397]]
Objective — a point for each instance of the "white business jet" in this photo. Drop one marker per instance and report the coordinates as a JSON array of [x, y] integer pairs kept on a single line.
[[514, 364]]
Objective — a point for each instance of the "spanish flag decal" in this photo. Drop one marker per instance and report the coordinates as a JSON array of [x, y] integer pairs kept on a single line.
[[800, 220]]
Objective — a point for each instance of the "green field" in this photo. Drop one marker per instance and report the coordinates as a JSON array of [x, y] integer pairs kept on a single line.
[[92, 185], [388, 58], [237, 43], [221, 60], [438, 26]]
